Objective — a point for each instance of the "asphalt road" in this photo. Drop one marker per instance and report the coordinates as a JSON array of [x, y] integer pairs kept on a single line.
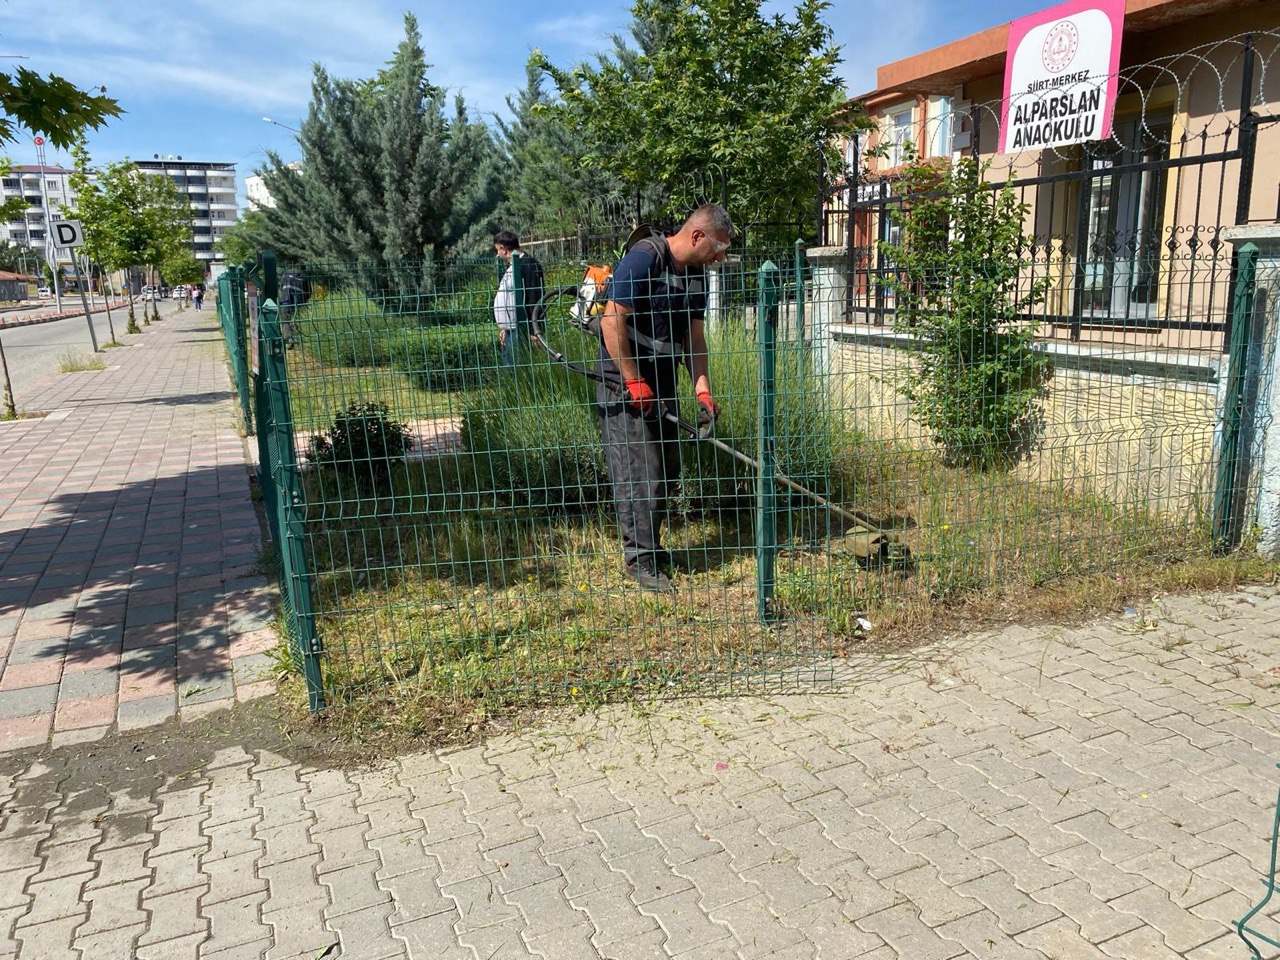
[[35, 352]]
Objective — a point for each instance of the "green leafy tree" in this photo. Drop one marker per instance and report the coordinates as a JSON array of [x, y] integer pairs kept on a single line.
[[976, 382], [549, 188], [16, 206], [131, 218], [168, 221], [387, 172], [242, 240], [18, 257], [50, 106], [182, 267], [725, 93]]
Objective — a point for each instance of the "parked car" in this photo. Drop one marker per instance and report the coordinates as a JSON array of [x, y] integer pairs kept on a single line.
[[44, 293]]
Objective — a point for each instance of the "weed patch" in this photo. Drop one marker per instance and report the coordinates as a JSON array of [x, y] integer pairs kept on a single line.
[[71, 362]]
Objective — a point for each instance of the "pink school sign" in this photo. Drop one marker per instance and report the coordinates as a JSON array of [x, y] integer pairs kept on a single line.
[[1060, 75]]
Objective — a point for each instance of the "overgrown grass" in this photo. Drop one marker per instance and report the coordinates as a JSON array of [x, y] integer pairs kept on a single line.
[[488, 575], [451, 591], [72, 362], [467, 614], [535, 429], [346, 329]]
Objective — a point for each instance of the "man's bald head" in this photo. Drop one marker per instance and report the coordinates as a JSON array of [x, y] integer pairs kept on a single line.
[[711, 218], [704, 238]]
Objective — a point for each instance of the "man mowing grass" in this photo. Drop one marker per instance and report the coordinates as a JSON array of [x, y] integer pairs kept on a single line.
[[653, 322]]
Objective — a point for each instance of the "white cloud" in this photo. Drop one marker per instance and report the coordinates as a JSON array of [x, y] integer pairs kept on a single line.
[[245, 83], [312, 29], [578, 30], [78, 22]]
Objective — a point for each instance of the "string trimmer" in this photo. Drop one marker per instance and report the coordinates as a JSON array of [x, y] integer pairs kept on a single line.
[[867, 540]]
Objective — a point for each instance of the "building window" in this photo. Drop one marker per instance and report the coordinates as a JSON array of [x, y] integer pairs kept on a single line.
[[940, 142], [12, 183], [51, 184], [899, 137]]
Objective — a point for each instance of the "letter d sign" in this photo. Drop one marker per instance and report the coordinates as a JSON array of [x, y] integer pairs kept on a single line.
[[68, 233]]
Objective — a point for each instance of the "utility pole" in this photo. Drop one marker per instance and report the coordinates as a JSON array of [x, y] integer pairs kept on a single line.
[[51, 253]]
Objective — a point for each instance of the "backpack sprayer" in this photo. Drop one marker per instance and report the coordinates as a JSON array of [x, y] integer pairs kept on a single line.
[[867, 539]]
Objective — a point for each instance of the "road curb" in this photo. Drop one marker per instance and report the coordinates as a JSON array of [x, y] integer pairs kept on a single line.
[[64, 315]]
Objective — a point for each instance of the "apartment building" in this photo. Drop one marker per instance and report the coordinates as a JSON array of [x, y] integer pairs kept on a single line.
[[48, 193], [210, 191]]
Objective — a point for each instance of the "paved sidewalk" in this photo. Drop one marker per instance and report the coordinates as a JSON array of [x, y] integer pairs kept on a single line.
[[1103, 792], [127, 544]]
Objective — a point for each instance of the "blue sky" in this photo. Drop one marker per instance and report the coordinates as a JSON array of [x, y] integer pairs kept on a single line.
[[196, 76]]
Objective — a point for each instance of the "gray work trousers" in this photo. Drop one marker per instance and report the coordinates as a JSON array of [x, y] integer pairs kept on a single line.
[[643, 456]]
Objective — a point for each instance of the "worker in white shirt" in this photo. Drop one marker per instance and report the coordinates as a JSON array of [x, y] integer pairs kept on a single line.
[[510, 335]]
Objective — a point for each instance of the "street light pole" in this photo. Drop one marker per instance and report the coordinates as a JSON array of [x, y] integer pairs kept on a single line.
[[277, 123]]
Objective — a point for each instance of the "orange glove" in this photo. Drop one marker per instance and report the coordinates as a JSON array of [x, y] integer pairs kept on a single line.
[[642, 396], [708, 413]]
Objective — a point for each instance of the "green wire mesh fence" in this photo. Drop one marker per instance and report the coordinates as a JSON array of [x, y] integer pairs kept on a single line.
[[447, 521], [235, 332], [1253, 939]]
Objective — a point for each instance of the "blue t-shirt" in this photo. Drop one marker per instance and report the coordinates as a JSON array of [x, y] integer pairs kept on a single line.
[[664, 303]]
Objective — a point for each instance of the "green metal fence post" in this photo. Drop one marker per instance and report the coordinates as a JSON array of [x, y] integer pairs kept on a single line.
[[264, 420], [270, 280], [231, 313], [289, 502], [800, 294], [766, 495], [241, 329], [1228, 499]]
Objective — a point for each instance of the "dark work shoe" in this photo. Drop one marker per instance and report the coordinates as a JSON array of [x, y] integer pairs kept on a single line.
[[649, 577]]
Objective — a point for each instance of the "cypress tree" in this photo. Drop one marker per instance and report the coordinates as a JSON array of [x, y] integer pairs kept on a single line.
[[387, 176]]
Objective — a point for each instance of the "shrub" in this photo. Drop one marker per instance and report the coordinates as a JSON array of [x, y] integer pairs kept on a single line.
[[977, 384], [361, 445], [446, 358]]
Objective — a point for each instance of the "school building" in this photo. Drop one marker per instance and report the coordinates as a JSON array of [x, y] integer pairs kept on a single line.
[[1126, 231]]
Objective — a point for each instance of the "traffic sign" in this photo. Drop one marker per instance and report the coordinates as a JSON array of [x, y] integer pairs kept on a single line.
[[68, 233]]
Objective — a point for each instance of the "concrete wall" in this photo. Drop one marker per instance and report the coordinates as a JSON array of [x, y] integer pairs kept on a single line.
[[1133, 442]]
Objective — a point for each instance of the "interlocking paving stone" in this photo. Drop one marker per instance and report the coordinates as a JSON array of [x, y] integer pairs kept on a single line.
[[138, 472], [966, 843]]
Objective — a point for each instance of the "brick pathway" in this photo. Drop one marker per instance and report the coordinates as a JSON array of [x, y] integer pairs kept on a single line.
[[1103, 792], [127, 545]]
